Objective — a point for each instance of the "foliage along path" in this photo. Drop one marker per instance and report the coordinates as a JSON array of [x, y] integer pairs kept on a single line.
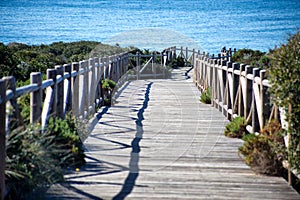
[[159, 142]]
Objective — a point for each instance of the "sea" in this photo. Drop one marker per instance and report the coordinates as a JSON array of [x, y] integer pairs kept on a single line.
[[206, 25]]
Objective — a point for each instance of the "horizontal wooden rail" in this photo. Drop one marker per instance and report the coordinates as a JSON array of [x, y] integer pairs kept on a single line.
[[238, 90], [72, 88]]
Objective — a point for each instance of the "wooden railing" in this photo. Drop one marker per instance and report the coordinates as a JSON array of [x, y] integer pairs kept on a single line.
[[74, 88], [154, 66], [236, 89], [239, 90]]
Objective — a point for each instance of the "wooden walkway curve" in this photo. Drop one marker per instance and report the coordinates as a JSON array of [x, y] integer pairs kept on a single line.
[[159, 142]]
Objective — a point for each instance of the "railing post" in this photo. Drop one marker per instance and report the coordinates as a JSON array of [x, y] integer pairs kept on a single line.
[[255, 120], [105, 63], [248, 96], [241, 107], [181, 51], [75, 89], [265, 98], [11, 85], [67, 91], [36, 98], [235, 85], [210, 72], [2, 137], [154, 65], [126, 63], [229, 54], [186, 56], [120, 68], [102, 62], [193, 57], [170, 55], [51, 74], [60, 93], [223, 86], [85, 87], [92, 86], [138, 63], [110, 67], [174, 53], [97, 79], [214, 88], [195, 74], [116, 71], [229, 100], [167, 58]]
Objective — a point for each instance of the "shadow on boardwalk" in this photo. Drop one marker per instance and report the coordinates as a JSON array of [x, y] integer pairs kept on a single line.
[[135, 145]]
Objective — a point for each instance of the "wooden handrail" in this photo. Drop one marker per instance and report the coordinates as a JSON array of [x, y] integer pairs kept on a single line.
[[66, 88]]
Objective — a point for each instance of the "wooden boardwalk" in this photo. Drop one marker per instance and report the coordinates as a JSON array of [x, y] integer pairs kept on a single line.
[[159, 142]]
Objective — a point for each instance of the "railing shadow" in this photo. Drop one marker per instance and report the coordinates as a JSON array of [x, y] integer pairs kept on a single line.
[[134, 156]]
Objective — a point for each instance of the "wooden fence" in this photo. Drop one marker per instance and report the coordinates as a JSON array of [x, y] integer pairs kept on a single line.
[[239, 90], [154, 65], [74, 89], [236, 89]]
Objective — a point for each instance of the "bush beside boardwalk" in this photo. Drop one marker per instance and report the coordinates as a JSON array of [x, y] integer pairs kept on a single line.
[[283, 70], [19, 60]]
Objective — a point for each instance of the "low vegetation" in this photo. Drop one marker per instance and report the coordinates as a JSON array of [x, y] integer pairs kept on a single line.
[[19, 60], [264, 152], [108, 86], [177, 62], [236, 128], [253, 58], [37, 159], [205, 96], [284, 76]]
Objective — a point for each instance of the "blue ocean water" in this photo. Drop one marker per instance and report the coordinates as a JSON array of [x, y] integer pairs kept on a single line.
[[210, 24]]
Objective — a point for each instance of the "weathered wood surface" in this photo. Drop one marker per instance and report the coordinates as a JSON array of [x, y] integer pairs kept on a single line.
[[159, 142]]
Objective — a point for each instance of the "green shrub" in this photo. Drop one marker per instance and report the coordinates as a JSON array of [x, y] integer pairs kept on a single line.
[[177, 62], [24, 106], [206, 96], [264, 152], [35, 160], [284, 77], [251, 57], [30, 164], [67, 140], [236, 128], [108, 85], [19, 60]]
